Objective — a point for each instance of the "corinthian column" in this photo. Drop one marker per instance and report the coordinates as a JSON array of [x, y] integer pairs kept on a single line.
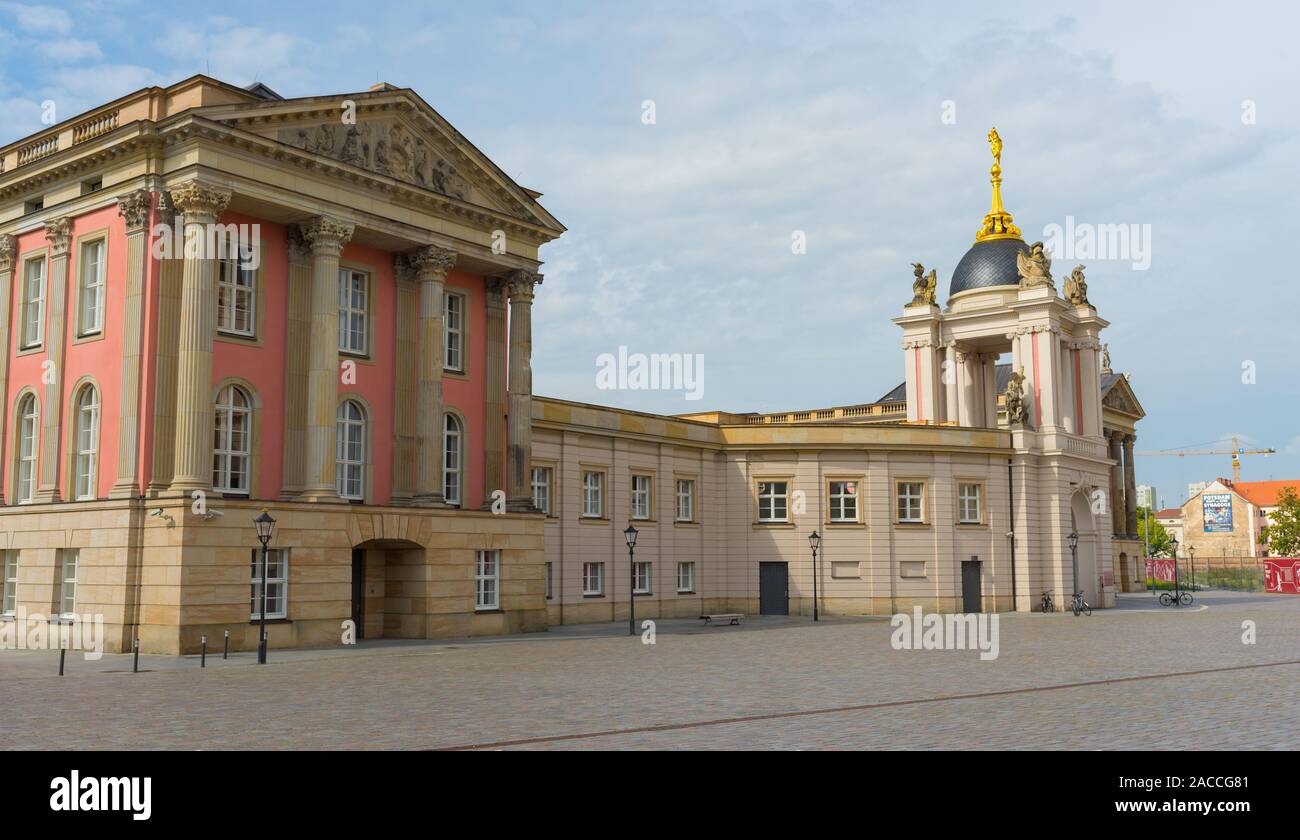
[[8, 251], [431, 265], [1130, 487], [58, 232], [134, 209], [200, 205], [1117, 505], [494, 385], [327, 237], [520, 388]]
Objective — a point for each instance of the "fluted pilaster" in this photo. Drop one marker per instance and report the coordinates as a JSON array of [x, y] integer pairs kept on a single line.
[[58, 233], [134, 209], [8, 254], [519, 448]]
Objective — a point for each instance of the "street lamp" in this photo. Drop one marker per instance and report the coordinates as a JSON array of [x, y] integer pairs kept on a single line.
[[629, 534], [1173, 549], [1191, 556], [1074, 558], [815, 542], [265, 527]]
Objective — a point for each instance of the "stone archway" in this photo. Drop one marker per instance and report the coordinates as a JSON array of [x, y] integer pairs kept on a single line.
[[1085, 525], [390, 589]]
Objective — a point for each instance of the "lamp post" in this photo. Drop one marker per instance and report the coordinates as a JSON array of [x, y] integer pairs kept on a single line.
[[1173, 549], [1191, 557], [815, 541], [265, 527], [629, 534], [1074, 559]]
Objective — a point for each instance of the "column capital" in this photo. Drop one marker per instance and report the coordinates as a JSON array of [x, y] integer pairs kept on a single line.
[[521, 284], [495, 292], [134, 208], [326, 234], [8, 250], [199, 202], [1129, 437], [58, 232], [298, 247], [431, 262]]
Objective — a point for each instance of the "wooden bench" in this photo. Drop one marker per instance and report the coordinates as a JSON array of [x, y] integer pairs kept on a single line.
[[728, 618]]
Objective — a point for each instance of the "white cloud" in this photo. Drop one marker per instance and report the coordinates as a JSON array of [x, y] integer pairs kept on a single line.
[[39, 18], [71, 50]]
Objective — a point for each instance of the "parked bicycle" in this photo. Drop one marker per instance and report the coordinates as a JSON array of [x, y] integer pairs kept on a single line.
[[1047, 604], [1078, 605], [1183, 598]]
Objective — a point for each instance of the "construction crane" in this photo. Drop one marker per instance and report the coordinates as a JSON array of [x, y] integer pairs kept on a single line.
[[1236, 452]]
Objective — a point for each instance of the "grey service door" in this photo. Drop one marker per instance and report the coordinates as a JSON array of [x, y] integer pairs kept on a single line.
[[773, 589], [971, 599]]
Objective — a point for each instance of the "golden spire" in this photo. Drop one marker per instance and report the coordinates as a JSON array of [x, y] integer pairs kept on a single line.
[[998, 223]]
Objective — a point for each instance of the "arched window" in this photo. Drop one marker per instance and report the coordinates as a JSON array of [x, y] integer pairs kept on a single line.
[[232, 440], [28, 424], [86, 442], [453, 456], [350, 451]]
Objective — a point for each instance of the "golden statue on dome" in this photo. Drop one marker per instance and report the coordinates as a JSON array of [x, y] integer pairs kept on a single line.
[[998, 224]]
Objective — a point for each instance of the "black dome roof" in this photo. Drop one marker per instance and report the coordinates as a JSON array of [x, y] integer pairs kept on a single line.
[[988, 263]]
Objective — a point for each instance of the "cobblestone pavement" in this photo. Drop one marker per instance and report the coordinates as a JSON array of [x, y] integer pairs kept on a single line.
[[1132, 678]]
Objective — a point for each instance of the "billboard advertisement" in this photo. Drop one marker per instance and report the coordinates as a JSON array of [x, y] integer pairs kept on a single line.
[[1282, 574], [1216, 512]]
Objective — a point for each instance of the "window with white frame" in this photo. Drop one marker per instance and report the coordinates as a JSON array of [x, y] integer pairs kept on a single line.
[[28, 431], [277, 584], [350, 451], [91, 292], [593, 493], [354, 304], [843, 501], [968, 503], [453, 457], [593, 578], [542, 489], [686, 577], [453, 328], [487, 580], [641, 578], [69, 560], [9, 597], [33, 334], [685, 500], [548, 581], [773, 499], [236, 293], [232, 440], [911, 498], [640, 497], [87, 442]]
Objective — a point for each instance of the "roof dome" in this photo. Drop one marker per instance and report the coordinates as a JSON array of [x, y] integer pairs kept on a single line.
[[989, 262]]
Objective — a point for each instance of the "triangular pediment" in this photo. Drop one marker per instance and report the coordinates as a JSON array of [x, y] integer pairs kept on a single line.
[[393, 133], [1119, 396]]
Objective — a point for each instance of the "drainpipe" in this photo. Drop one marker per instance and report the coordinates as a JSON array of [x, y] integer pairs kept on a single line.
[[1011, 509]]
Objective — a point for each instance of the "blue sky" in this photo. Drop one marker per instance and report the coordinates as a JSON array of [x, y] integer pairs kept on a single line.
[[823, 118]]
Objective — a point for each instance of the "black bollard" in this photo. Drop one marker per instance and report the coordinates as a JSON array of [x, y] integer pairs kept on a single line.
[[135, 662], [203, 652], [225, 651], [63, 654]]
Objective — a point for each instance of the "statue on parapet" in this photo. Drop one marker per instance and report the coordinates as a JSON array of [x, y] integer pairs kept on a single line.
[[1076, 288], [1034, 267], [1017, 411], [924, 285]]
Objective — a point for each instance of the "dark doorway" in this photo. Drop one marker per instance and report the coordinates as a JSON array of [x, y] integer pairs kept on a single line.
[[773, 589], [972, 600], [359, 591]]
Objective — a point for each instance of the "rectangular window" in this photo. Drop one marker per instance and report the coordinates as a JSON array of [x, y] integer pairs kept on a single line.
[[593, 494], [968, 504], [236, 295], [354, 300], [92, 287], [843, 501], [487, 580], [641, 578], [542, 489], [772, 501], [685, 500], [910, 497], [640, 497], [33, 302], [593, 578], [453, 327], [277, 584], [685, 577], [9, 599], [69, 560], [548, 582]]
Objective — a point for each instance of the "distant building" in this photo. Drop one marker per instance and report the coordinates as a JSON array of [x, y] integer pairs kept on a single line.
[[1172, 520], [1196, 487], [1225, 518], [1148, 497]]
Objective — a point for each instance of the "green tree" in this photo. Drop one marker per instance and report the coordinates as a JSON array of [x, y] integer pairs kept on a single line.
[[1282, 533], [1160, 542]]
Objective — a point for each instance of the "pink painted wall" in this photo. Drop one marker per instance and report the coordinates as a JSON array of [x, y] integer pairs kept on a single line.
[[466, 393]]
